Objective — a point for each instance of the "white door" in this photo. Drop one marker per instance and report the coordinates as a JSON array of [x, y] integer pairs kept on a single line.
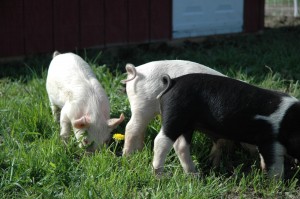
[[206, 17]]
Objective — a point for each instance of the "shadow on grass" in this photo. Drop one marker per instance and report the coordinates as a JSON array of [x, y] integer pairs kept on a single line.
[[277, 48]]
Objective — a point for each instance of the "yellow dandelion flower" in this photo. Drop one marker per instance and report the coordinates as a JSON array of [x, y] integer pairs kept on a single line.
[[118, 137]]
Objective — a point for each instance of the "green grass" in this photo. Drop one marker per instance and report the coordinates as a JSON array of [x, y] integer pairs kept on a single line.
[[35, 164]]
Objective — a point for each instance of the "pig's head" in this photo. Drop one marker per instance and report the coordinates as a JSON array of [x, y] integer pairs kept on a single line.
[[91, 134]]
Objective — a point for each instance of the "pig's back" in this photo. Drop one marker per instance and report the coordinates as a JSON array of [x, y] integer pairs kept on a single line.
[[69, 68], [174, 68], [148, 82], [70, 77]]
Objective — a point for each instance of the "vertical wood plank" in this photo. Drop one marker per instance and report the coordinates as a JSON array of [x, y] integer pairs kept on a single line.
[[261, 21], [160, 20], [66, 26], [116, 24], [91, 23], [253, 15], [138, 21], [38, 28], [11, 31]]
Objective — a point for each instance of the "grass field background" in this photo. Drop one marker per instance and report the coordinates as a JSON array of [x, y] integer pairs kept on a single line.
[[35, 164]]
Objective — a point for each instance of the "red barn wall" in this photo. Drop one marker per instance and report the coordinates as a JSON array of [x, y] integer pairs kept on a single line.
[[12, 28], [31, 27], [254, 13]]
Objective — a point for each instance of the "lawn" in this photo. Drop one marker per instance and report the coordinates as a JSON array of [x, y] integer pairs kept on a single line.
[[35, 164]]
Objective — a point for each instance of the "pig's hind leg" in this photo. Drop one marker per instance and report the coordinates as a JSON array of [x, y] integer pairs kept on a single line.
[[182, 149], [136, 127], [162, 146]]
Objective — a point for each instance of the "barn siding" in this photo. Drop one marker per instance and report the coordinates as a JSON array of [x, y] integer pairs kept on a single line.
[[138, 21], [66, 25], [254, 13], [91, 23], [11, 28], [38, 26], [116, 19], [160, 19]]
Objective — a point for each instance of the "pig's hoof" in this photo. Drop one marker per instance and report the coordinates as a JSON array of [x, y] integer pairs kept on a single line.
[[195, 175], [160, 174], [127, 152], [65, 140]]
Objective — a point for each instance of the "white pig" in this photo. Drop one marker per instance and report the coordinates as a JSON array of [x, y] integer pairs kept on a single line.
[[143, 84], [78, 100]]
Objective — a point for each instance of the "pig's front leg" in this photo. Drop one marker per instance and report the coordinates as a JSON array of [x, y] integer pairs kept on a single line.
[[217, 150], [162, 146], [65, 125], [55, 111], [272, 158], [182, 149], [215, 155]]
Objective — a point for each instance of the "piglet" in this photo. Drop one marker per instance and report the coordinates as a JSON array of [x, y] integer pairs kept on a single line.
[[78, 100], [143, 84], [230, 109]]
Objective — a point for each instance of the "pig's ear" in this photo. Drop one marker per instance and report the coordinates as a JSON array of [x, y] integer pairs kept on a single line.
[[82, 122], [113, 123]]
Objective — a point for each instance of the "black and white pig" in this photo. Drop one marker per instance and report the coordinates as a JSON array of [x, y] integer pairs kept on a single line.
[[230, 109], [143, 84], [78, 100]]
